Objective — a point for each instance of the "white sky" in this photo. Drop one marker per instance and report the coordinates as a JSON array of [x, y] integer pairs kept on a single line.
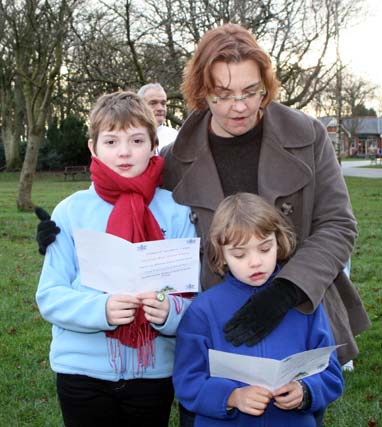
[[361, 45]]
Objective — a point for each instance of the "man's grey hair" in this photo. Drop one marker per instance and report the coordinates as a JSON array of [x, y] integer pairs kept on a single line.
[[149, 86]]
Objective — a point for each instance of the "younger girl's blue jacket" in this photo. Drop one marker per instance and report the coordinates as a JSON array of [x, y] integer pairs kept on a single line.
[[202, 328], [79, 344]]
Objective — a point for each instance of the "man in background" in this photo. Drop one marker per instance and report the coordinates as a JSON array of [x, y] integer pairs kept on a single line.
[[156, 98]]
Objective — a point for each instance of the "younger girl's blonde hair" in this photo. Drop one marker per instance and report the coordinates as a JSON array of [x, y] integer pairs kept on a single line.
[[238, 218]]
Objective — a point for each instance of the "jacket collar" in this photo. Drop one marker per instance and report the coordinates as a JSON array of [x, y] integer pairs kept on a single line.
[[241, 285], [280, 171]]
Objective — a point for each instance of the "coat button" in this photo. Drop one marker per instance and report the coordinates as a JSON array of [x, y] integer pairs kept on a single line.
[[193, 217], [287, 208]]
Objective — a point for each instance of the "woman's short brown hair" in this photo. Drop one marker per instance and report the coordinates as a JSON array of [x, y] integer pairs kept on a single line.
[[121, 110], [228, 43], [238, 218]]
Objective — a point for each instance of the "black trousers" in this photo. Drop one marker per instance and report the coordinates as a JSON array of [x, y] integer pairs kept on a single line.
[[186, 418], [90, 402]]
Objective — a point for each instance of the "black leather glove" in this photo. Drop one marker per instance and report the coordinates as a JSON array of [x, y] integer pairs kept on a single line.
[[47, 230], [263, 312]]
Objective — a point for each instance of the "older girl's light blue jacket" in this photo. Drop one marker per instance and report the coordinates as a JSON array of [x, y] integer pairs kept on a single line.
[[77, 313]]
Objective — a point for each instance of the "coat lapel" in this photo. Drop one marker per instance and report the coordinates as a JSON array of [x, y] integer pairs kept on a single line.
[[280, 172], [200, 184]]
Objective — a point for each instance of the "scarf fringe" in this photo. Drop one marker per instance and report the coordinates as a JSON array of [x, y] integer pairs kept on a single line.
[[115, 354], [140, 335]]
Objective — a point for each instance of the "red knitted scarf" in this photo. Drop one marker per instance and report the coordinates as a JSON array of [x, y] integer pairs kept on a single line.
[[132, 220]]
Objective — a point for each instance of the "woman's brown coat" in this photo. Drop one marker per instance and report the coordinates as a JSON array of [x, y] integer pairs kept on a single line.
[[298, 173]]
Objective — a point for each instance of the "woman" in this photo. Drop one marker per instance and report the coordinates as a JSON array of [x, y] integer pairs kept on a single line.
[[237, 139]]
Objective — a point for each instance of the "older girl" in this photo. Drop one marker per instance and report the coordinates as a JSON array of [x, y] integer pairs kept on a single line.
[[113, 354]]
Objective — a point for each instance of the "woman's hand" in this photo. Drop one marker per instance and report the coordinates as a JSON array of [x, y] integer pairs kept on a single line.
[[120, 309], [156, 306], [252, 400], [289, 396]]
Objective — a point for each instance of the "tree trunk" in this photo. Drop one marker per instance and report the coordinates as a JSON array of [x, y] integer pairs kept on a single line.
[[6, 136], [11, 151], [24, 199], [11, 128]]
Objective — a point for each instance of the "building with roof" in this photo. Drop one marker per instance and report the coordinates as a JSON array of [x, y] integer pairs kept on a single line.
[[362, 136]]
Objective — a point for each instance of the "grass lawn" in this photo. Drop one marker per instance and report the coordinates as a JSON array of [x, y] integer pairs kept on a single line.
[[27, 389]]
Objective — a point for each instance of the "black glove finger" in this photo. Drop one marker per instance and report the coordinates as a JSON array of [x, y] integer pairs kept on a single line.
[[48, 236], [256, 337], [263, 330], [248, 335], [242, 317], [45, 241], [46, 233], [41, 250], [47, 227], [231, 325], [239, 335], [241, 338], [238, 330], [41, 214], [48, 239]]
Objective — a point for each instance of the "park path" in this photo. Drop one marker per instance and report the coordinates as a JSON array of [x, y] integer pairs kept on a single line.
[[355, 169]]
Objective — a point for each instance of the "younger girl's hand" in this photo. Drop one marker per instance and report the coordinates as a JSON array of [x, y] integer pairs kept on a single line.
[[156, 311], [120, 309], [252, 400], [289, 396]]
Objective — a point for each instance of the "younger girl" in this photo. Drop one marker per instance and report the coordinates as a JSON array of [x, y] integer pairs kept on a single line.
[[113, 354], [247, 239]]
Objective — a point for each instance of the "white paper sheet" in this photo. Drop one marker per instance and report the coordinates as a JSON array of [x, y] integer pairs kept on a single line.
[[268, 373], [114, 265]]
